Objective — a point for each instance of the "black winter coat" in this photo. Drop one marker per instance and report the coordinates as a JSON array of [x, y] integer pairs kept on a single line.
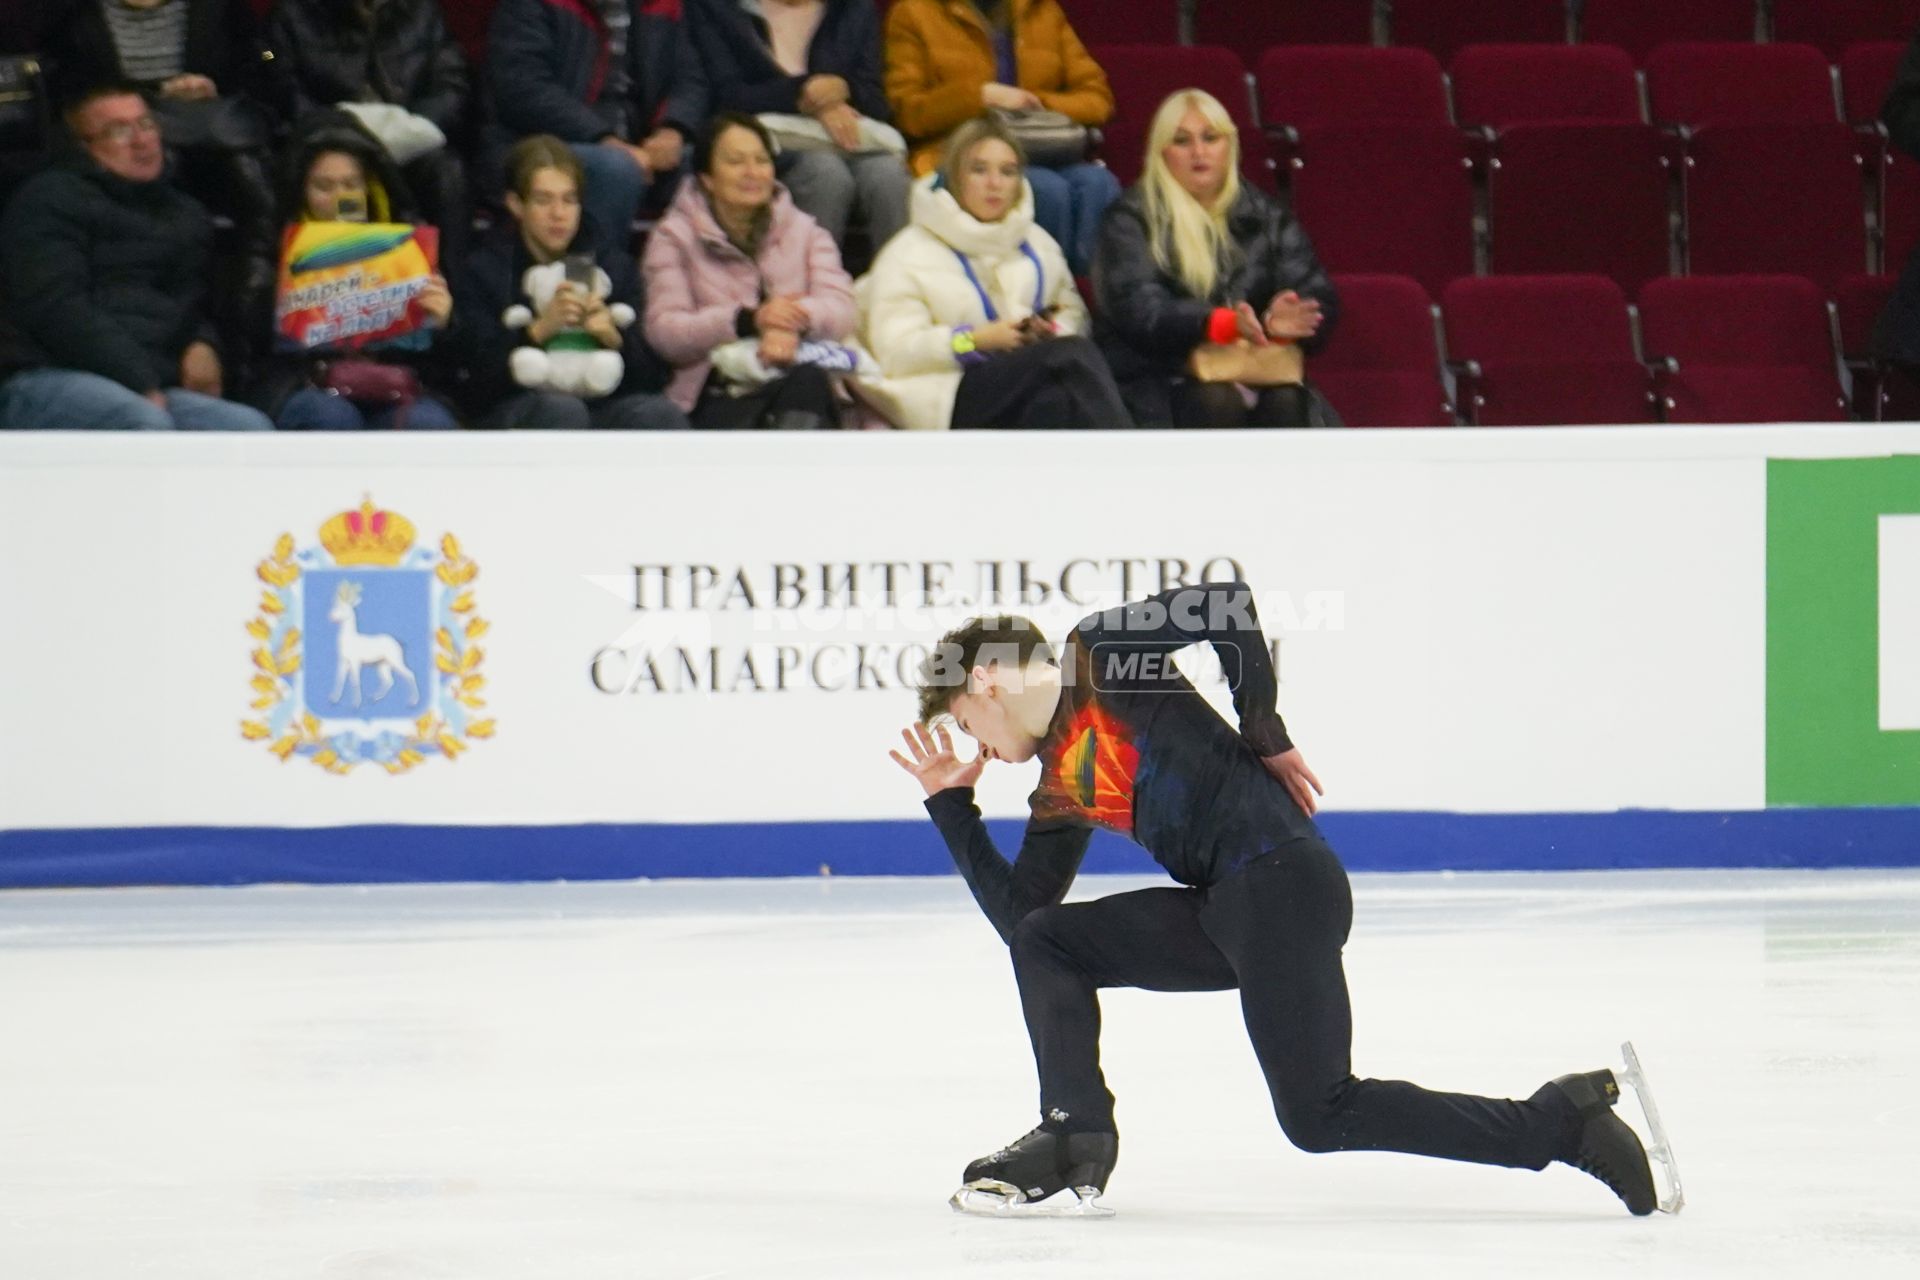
[[742, 75], [328, 51], [103, 275], [1146, 322], [223, 44], [546, 66], [489, 283]]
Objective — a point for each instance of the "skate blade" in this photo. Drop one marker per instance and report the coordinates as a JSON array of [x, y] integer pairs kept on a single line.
[[1670, 1198], [998, 1200]]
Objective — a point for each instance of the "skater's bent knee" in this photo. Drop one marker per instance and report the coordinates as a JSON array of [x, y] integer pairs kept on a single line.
[[1312, 1129]]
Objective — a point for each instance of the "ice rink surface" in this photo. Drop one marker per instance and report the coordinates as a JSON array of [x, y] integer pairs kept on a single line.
[[784, 1078]]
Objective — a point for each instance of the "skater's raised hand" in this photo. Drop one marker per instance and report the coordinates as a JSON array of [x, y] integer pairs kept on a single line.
[[1291, 768], [934, 763]]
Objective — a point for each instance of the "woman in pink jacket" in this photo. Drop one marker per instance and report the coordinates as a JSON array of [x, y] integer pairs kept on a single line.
[[746, 296]]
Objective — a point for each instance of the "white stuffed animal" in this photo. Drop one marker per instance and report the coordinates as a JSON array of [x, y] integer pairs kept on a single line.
[[573, 360]]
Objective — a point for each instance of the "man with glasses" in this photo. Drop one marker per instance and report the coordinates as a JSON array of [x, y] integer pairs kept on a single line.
[[105, 265]]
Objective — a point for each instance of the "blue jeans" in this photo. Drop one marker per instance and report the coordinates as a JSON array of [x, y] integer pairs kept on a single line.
[[70, 400], [312, 409], [557, 411], [1068, 204]]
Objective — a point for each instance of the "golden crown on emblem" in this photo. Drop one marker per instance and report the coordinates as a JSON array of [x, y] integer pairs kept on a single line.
[[367, 536]]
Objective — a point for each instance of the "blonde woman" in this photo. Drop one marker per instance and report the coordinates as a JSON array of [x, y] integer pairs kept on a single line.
[[971, 311], [1191, 255]]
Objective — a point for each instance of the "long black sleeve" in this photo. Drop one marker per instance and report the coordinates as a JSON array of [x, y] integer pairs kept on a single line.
[[1049, 858], [1294, 265], [1220, 613], [527, 97]]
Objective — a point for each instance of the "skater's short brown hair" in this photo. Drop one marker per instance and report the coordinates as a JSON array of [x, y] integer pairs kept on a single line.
[[999, 637]]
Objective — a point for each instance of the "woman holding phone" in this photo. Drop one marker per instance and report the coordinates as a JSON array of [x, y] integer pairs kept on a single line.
[[971, 311]]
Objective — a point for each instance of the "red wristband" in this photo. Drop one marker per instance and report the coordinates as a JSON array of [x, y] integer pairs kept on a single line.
[[1223, 326]]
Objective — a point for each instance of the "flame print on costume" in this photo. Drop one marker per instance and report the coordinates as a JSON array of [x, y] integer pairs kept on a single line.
[[1092, 776]]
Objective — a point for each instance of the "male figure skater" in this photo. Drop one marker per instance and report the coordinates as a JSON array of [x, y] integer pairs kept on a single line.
[[1126, 743]]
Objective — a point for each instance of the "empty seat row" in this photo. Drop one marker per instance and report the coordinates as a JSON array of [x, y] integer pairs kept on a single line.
[[1561, 349], [1570, 178], [1446, 26]]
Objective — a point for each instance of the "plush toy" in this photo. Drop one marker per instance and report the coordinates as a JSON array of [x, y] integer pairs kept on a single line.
[[573, 360]]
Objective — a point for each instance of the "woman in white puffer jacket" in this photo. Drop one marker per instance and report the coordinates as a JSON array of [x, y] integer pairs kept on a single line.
[[971, 310]]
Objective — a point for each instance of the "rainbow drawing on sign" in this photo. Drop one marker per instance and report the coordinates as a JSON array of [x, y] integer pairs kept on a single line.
[[353, 285]]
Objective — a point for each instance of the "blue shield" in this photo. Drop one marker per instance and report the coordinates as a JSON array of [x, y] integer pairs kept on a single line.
[[376, 661]]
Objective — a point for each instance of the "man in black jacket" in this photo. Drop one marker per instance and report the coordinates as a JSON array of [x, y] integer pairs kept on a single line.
[[609, 78], [1125, 743], [202, 67], [105, 268], [356, 54]]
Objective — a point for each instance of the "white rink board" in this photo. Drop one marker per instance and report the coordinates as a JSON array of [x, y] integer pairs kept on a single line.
[[1445, 587]]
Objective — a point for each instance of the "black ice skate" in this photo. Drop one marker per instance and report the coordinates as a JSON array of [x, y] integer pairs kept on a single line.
[[1015, 1179], [1609, 1149]]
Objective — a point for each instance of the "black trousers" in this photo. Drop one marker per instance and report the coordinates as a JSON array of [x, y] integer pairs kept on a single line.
[[1219, 406], [1061, 382], [1274, 930], [799, 400]]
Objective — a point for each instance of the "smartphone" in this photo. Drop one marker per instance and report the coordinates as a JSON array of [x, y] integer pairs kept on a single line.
[[581, 270], [350, 209]]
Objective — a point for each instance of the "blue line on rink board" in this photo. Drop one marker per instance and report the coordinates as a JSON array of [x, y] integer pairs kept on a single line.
[[1634, 838]]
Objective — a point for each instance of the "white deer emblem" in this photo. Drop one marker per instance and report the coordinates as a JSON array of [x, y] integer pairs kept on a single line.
[[357, 651]]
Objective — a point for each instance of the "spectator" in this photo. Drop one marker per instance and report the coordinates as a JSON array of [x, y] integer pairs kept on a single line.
[[972, 312], [950, 60], [613, 80], [1190, 256], [394, 65], [549, 226], [338, 172], [818, 58], [200, 64], [735, 260], [105, 272]]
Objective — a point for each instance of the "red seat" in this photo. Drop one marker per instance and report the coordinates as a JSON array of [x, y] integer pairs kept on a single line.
[[1553, 349], [1501, 84], [1749, 348], [1394, 199], [1350, 84], [1835, 24], [1782, 198], [1858, 302], [1125, 21], [1696, 84], [1444, 27], [1382, 367], [1638, 26], [1143, 76], [1271, 22], [1866, 73], [1580, 198]]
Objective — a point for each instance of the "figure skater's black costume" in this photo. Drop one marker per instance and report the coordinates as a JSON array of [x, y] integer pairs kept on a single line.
[[1265, 906]]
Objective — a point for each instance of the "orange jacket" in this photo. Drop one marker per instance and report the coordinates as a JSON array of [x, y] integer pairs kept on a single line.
[[940, 55]]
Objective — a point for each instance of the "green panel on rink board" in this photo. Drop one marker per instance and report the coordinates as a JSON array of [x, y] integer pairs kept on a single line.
[[1825, 744]]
